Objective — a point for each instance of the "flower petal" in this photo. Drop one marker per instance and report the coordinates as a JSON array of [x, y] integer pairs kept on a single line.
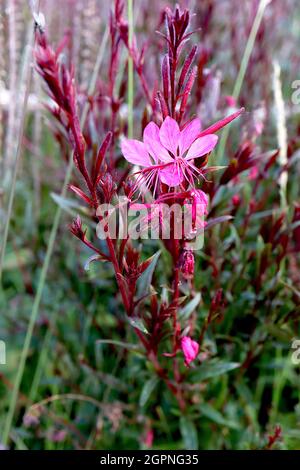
[[169, 134], [190, 349], [171, 175], [201, 200], [153, 145], [189, 134], [135, 152], [202, 146]]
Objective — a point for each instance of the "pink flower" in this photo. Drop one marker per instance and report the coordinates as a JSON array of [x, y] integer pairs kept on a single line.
[[169, 152], [230, 101], [190, 349], [253, 173], [148, 440], [236, 200], [187, 264], [199, 209]]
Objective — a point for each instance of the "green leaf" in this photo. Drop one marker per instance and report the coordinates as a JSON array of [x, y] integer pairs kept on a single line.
[[208, 371], [186, 311], [138, 323], [279, 333], [267, 213], [73, 208], [118, 343], [218, 220], [144, 281], [147, 390], [90, 260], [66, 203], [215, 416], [233, 237], [189, 434]]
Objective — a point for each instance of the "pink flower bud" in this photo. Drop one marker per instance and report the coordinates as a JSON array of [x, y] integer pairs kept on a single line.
[[230, 101], [236, 200], [253, 173], [58, 436], [187, 264], [190, 349], [148, 441]]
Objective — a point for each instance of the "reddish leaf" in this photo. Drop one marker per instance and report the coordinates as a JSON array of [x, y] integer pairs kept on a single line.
[[186, 67], [100, 157], [222, 123], [81, 194]]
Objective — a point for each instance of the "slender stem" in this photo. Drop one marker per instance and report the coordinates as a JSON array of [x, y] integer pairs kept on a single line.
[[46, 264], [173, 66], [40, 366], [130, 96], [27, 69], [282, 136], [145, 87], [176, 249], [162, 374], [242, 72], [175, 300], [68, 396], [118, 273], [133, 64], [151, 355]]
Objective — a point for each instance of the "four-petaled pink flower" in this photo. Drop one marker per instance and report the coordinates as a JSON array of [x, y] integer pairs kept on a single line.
[[190, 349], [168, 152]]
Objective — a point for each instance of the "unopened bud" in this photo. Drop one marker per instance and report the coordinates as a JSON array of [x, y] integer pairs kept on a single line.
[[187, 263]]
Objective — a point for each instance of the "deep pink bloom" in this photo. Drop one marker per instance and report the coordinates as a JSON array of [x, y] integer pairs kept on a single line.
[[187, 264], [199, 209], [253, 173], [230, 101], [195, 204], [148, 440], [169, 152], [190, 349]]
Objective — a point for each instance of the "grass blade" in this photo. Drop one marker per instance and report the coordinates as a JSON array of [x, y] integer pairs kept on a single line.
[[27, 73], [130, 69], [242, 72], [45, 267]]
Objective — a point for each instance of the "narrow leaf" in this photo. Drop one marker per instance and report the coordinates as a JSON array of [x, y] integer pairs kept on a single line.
[[101, 154], [186, 311], [210, 370], [163, 105], [165, 69], [222, 123], [147, 390], [90, 260], [189, 434], [144, 281], [138, 324], [121, 344], [215, 416], [186, 68], [187, 91], [81, 194]]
